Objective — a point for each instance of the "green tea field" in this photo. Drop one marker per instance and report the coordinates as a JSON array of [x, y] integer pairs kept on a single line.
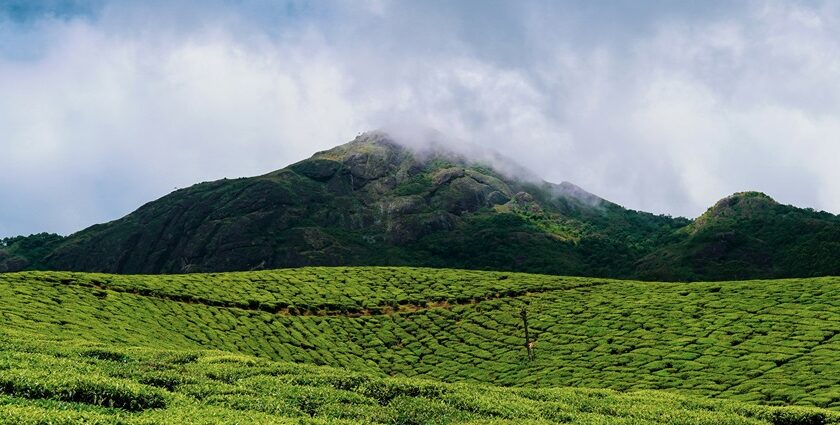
[[390, 345], [44, 381]]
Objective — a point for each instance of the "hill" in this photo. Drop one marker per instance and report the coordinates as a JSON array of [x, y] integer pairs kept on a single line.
[[374, 201], [766, 342], [749, 235]]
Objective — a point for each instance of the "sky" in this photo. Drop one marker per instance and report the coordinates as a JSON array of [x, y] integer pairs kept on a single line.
[[661, 106]]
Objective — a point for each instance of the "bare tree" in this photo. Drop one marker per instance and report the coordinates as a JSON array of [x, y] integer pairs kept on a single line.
[[529, 345]]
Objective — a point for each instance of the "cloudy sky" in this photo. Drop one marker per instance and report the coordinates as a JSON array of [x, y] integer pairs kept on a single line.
[[662, 106]]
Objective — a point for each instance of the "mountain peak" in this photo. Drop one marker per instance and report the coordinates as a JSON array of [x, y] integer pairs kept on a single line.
[[739, 205], [742, 203], [748, 196], [368, 142], [377, 154], [424, 148], [369, 156]]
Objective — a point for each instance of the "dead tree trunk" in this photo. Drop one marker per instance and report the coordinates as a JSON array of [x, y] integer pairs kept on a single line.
[[528, 345]]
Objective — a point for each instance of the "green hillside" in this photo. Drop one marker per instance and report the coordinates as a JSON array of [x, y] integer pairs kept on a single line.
[[765, 342], [368, 202], [749, 235], [375, 202]]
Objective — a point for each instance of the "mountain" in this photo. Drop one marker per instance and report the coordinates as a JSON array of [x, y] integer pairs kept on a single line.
[[374, 201]]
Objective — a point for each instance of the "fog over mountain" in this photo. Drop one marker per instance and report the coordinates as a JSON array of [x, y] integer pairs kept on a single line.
[[662, 107]]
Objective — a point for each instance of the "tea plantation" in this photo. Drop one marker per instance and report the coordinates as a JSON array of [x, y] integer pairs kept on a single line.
[[132, 349], [44, 381]]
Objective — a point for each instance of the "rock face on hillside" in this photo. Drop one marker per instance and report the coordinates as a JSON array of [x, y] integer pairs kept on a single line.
[[375, 202]]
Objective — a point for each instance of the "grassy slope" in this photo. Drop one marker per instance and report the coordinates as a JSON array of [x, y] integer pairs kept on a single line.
[[772, 342], [44, 381]]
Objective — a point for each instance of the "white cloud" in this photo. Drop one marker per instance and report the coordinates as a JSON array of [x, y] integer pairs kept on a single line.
[[109, 112]]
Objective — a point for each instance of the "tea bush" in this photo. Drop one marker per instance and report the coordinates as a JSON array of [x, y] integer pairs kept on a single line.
[[214, 387], [409, 341]]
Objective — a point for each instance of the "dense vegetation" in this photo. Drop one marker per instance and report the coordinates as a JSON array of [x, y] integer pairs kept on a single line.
[[21, 252], [750, 235], [48, 381], [766, 342], [373, 202]]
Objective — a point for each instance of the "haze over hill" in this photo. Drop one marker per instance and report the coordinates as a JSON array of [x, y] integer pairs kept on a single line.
[[375, 201]]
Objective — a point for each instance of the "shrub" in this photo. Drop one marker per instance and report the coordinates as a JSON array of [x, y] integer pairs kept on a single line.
[[89, 389], [385, 390], [422, 411]]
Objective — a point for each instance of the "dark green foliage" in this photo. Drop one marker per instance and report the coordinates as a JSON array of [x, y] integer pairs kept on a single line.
[[416, 185], [749, 235], [373, 202], [26, 252]]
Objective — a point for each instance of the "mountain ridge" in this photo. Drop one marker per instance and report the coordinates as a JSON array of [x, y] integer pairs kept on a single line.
[[375, 201]]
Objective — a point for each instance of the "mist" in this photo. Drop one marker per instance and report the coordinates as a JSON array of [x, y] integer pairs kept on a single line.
[[106, 105], [425, 142]]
